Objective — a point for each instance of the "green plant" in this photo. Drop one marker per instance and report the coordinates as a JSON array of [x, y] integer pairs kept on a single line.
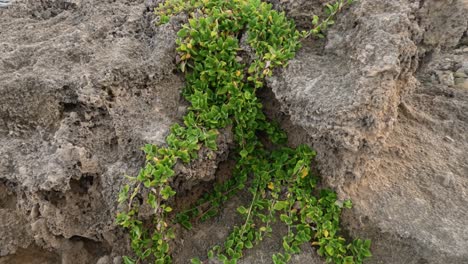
[[222, 90]]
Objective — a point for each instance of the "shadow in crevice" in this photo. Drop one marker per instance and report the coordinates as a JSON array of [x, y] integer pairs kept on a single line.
[[7, 196]]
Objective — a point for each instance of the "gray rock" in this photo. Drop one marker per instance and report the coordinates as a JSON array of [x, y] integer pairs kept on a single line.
[[83, 86], [376, 117]]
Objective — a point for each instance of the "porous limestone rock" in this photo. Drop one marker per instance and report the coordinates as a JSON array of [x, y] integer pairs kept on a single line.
[[389, 126], [83, 86]]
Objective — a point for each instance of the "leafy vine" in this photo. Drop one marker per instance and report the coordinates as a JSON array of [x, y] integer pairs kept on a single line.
[[221, 89]]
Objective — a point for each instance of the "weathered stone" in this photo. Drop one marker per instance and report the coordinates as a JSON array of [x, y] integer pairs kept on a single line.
[[84, 84], [377, 117]]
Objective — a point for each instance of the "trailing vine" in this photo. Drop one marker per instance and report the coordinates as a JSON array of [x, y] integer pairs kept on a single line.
[[221, 84]]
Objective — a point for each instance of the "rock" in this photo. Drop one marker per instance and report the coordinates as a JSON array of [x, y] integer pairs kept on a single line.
[[377, 118], [118, 260], [104, 260], [15, 231], [83, 86]]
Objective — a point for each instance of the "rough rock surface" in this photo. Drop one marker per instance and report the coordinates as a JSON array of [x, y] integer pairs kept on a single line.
[[385, 104], [384, 100], [83, 86]]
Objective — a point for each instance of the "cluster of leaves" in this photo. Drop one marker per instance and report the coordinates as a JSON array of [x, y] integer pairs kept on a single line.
[[182, 144], [283, 187], [221, 89]]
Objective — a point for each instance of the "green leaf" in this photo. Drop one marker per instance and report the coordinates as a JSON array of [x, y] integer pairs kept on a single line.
[[315, 20], [195, 261], [348, 260], [152, 200], [186, 224], [193, 23], [286, 246], [229, 243], [167, 192], [183, 33], [222, 257], [164, 247], [123, 194], [248, 244], [184, 155], [281, 205], [242, 210], [240, 246], [286, 219], [348, 204], [163, 20], [243, 153], [330, 250], [128, 260]]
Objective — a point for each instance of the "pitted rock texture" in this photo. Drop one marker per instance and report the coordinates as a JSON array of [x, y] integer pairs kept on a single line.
[[385, 105], [83, 86], [383, 99]]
